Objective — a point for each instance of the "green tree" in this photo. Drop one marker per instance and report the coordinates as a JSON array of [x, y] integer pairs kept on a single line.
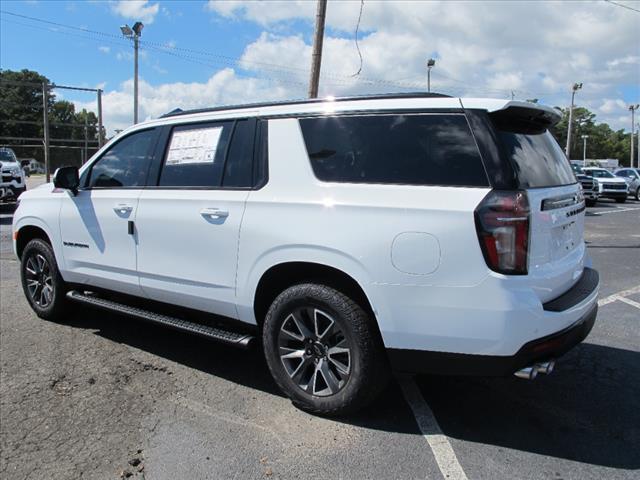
[[21, 115], [603, 142]]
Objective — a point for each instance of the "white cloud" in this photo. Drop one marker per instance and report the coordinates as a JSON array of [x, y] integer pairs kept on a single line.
[[136, 10], [481, 49], [104, 49], [223, 88]]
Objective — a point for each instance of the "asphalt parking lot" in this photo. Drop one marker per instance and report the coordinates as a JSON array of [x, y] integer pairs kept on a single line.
[[101, 396]]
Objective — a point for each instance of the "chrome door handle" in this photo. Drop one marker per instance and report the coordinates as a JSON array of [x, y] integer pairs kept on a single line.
[[122, 208], [214, 213]]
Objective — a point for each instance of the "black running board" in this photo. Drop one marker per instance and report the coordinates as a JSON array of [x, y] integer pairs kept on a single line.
[[235, 339]]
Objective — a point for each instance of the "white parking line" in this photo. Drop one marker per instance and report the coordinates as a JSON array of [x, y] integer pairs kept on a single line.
[[619, 296], [618, 210], [439, 443], [629, 302]]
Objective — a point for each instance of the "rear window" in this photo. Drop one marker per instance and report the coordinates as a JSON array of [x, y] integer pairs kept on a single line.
[[537, 159], [429, 149]]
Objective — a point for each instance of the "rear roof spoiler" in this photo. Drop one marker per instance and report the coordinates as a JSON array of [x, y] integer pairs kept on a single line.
[[525, 117]]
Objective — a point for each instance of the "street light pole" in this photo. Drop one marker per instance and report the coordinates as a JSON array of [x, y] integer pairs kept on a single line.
[[584, 150], [633, 109], [135, 79], [134, 34], [574, 89], [430, 64]]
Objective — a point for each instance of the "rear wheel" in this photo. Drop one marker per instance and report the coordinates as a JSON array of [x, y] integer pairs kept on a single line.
[[323, 350], [638, 194], [41, 281]]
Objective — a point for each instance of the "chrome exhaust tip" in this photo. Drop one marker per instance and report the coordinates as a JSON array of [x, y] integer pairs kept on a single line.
[[546, 367], [528, 373]]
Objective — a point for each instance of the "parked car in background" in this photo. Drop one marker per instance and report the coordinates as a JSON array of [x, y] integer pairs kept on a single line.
[[12, 177], [610, 186], [632, 177], [590, 186], [417, 231], [32, 166]]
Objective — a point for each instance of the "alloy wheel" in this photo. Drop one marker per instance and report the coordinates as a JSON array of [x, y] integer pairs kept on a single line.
[[314, 351], [39, 280]]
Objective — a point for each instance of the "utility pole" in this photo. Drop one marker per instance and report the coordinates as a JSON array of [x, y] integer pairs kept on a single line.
[[316, 57], [45, 127], [134, 34], [574, 89], [86, 137], [633, 109], [430, 64], [584, 150], [100, 137]]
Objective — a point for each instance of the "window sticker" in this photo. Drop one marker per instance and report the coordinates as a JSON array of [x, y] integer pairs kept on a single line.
[[193, 146]]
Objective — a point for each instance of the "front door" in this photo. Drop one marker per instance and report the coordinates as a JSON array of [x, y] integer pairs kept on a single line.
[[97, 225]]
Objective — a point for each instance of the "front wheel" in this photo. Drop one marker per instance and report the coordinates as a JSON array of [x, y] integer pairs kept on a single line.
[[590, 202], [323, 350], [621, 199], [41, 281]]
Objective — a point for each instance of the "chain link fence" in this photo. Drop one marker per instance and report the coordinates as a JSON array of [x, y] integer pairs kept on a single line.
[[54, 139]]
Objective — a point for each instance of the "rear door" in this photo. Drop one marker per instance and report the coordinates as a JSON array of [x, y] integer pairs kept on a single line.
[[556, 245], [188, 224]]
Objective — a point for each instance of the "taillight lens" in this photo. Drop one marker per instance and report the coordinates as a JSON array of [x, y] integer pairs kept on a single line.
[[502, 222]]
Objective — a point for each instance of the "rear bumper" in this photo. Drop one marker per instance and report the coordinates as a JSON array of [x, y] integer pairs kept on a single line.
[[539, 350], [580, 296]]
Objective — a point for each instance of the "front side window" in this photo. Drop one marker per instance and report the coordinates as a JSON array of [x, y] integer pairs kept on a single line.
[[421, 149], [126, 164]]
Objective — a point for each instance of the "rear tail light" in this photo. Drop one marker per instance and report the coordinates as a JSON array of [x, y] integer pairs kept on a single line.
[[502, 223]]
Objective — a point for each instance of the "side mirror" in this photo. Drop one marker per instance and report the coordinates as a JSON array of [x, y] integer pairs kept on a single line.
[[67, 178]]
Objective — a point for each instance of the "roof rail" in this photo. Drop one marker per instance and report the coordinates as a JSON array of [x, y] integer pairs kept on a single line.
[[379, 96]]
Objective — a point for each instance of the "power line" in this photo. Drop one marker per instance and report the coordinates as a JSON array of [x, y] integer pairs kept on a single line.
[[622, 5], [164, 48], [356, 35]]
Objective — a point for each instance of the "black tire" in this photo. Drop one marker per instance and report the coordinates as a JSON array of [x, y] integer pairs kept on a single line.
[[590, 202], [368, 368], [638, 194], [54, 305], [621, 200]]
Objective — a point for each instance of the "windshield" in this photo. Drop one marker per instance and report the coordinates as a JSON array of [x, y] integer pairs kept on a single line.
[[537, 159], [601, 173], [7, 156], [577, 169]]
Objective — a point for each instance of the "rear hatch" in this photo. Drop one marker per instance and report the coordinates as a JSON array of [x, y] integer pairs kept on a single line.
[[556, 231]]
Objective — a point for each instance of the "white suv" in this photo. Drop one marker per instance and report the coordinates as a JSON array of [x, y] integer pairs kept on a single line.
[[421, 232], [12, 178]]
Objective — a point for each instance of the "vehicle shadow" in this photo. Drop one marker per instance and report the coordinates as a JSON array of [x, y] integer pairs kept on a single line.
[[587, 411]]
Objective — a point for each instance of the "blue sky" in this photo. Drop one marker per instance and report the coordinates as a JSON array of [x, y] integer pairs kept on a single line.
[[199, 53]]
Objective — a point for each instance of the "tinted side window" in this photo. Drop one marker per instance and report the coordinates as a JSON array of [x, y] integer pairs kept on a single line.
[[195, 155], [396, 149], [238, 168], [126, 164]]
